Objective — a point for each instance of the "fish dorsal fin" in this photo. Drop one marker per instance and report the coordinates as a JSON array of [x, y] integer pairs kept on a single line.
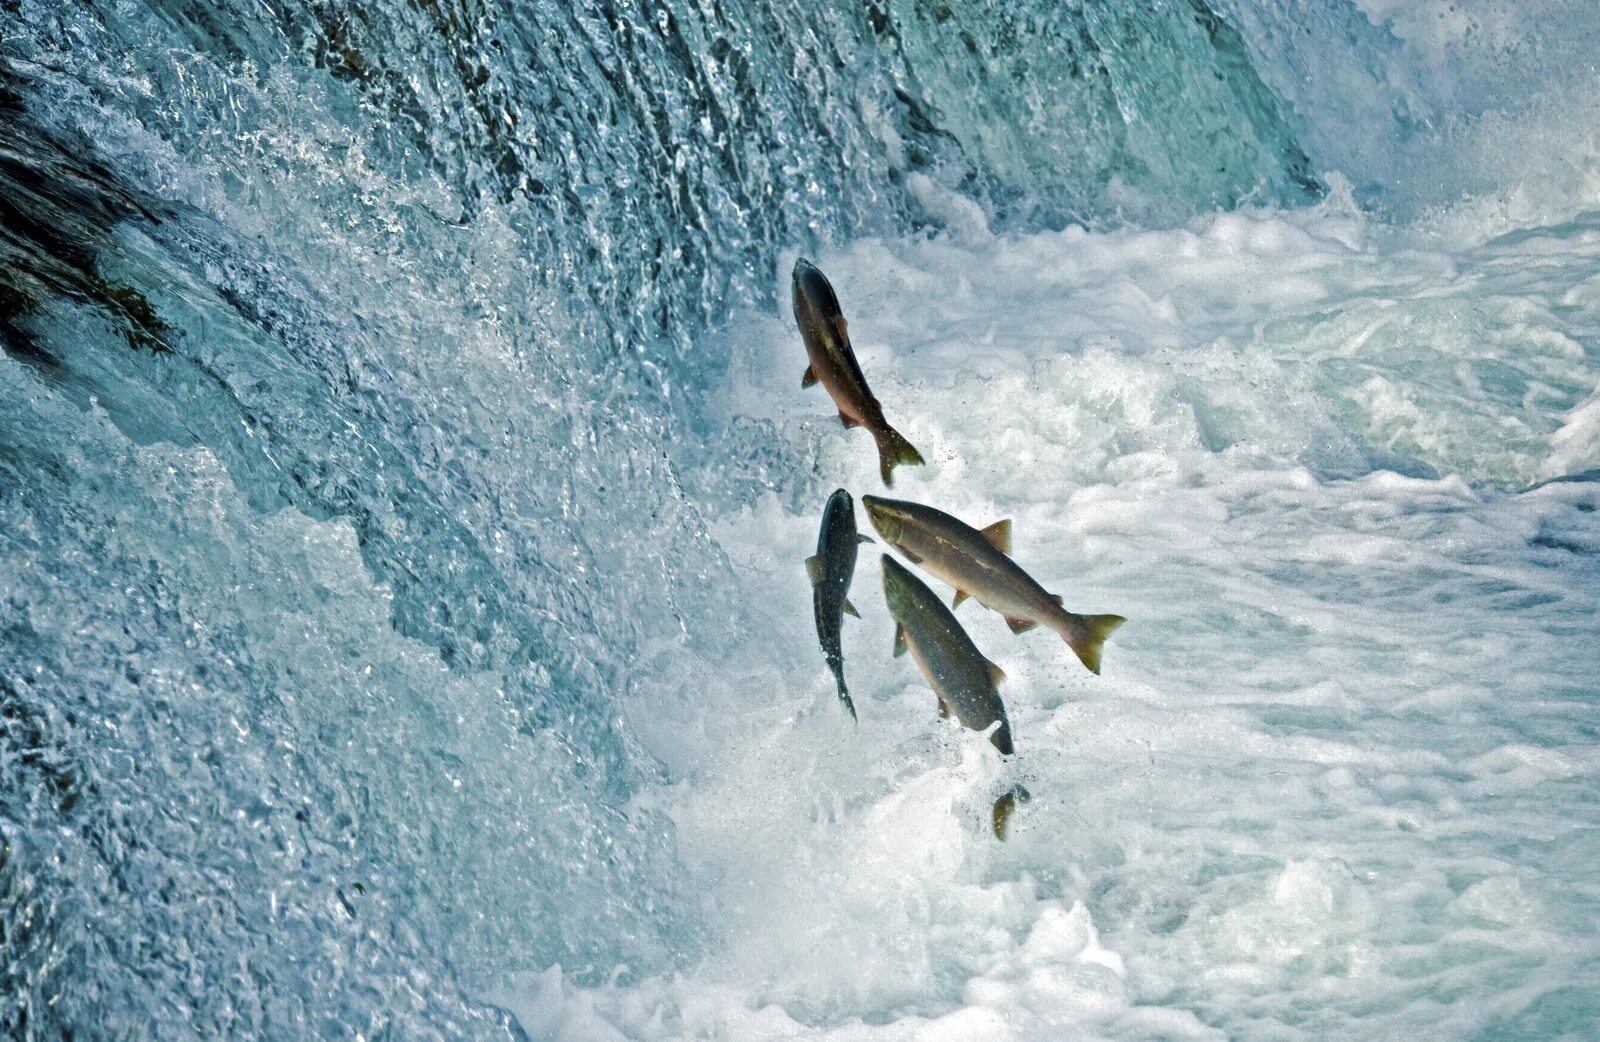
[[860, 538], [851, 608], [1020, 625], [960, 596], [999, 535], [809, 379], [843, 327], [814, 568], [899, 640], [997, 676], [1057, 598]]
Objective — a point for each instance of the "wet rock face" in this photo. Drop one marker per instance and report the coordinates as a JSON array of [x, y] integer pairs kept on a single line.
[[57, 209]]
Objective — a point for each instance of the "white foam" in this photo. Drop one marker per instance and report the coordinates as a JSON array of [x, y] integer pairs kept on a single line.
[[1336, 709]]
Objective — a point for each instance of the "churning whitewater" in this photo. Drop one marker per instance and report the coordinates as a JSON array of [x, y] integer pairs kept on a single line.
[[406, 492]]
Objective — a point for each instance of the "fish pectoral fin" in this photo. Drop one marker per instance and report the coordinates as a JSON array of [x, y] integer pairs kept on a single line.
[[848, 421], [843, 327], [899, 640], [814, 568], [960, 596], [810, 379], [944, 708], [999, 535], [997, 676], [860, 538], [913, 558], [851, 609], [1020, 625]]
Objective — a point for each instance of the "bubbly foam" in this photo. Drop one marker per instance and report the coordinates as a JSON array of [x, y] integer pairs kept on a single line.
[[1334, 770]]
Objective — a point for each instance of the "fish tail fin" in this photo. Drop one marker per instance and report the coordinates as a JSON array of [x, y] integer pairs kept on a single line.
[[894, 450], [1086, 634], [1002, 738], [836, 667]]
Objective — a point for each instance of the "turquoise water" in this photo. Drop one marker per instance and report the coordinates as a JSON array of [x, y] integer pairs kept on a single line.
[[404, 485]]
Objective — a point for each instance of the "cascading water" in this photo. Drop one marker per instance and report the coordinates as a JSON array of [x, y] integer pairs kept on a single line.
[[404, 479]]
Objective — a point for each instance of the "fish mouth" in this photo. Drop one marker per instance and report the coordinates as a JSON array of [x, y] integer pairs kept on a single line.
[[806, 277], [811, 285], [884, 518], [893, 573]]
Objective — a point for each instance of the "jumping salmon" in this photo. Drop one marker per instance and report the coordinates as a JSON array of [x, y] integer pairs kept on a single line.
[[962, 679], [830, 569], [977, 564], [834, 365]]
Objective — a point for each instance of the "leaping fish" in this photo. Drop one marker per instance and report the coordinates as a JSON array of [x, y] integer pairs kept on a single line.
[[977, 565], [962, 679], [965, 683], [830, 569], [834, 365]]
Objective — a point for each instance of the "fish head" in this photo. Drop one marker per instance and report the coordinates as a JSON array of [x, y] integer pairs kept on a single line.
[[897, 587], [839, 535], [888, 517], [813, 294]]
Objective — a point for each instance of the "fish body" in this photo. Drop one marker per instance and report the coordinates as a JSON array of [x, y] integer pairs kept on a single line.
[[978, 564], [833, 364], [831, 569], [965, 682]]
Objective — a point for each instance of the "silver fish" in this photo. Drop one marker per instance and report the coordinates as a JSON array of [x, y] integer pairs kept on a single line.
[[977, 565]]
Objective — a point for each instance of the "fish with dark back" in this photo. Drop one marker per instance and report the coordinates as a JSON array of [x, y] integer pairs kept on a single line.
[[831, 568], [965, 683]]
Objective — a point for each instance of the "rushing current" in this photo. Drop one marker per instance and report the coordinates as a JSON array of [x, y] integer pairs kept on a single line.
[[405, 481]]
